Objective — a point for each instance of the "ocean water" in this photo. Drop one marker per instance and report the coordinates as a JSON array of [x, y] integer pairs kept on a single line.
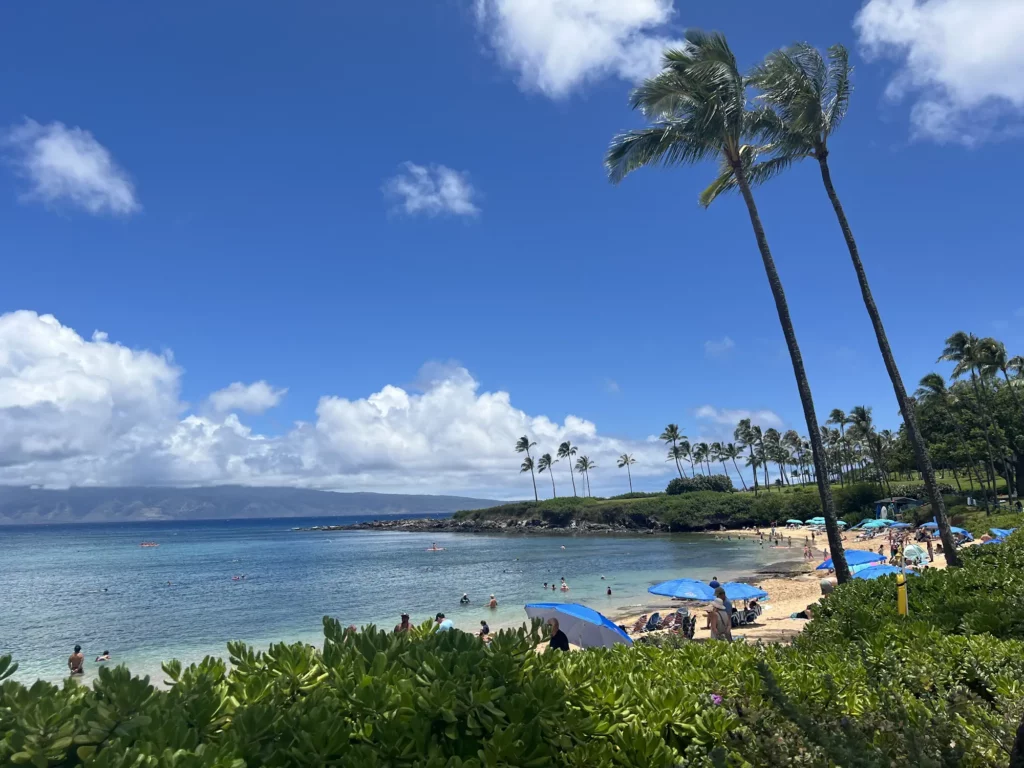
[[95, 586]]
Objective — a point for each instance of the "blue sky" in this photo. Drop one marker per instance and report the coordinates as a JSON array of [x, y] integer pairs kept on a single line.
[[326, 197]]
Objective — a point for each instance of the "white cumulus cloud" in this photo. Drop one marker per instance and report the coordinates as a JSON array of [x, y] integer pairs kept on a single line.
[[250, 398], [557, 45], [962, 63], [718, 347], [68, 165], [731, 416], [88, 411], [432, 190]]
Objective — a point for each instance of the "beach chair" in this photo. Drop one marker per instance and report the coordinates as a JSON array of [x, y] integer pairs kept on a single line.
[[640, 624], [653, 623]]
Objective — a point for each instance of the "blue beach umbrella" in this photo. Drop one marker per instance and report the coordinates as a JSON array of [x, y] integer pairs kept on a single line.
[[854, 557], [878, 523], [795, 522], [1001, 533], [816, 521], [992, 541], [929, 526], [901, 525], [583, 626], [736, 590], [876, 571], [683, 589]]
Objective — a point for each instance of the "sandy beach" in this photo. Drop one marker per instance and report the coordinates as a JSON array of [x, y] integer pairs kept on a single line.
[[789, 593]]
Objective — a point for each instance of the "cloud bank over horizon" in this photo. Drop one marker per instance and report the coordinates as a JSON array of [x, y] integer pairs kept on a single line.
[[92, 412]]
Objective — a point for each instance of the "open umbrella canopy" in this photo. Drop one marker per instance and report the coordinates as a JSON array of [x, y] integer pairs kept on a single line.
[[880, 523], [915, 552], [816, 521], [854, 557], [736, 590], [583, 626], [876, 571], [842, 522], [795, 522], [1001, 533], [993, 541], [684, 589], [901, 525]]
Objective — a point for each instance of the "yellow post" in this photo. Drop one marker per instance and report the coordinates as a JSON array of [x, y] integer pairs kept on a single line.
[[901, 593]]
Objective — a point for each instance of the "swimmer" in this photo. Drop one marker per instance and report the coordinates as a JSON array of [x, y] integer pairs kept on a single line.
[[563, 546], [105, 656], [609, 591], [465, 599], [493, 604]]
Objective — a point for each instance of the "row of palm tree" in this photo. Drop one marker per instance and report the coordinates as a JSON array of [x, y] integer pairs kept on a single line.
[[703, 454], [546, 462], [699, 109]]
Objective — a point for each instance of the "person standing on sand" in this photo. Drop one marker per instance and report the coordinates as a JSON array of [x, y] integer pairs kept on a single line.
[[76, 661], [931, 550], [717, 621], [714, 583]]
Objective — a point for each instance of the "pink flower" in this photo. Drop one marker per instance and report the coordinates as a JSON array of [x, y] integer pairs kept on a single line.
[[716, 699]]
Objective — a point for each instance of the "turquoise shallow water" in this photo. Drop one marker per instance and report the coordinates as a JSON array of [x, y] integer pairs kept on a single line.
[[94, 585]]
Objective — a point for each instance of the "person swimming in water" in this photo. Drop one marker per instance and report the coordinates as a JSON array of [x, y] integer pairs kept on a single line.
[[465, 599], [105, 656], [493, 604]]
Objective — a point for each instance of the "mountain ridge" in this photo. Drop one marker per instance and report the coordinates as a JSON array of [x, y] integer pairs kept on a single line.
[[24, 505]]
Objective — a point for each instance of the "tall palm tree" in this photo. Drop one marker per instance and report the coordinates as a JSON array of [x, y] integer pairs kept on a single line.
[[626, 460], [744, 436], [807, 97], [583, 466], [566, 451], [964, 349], [732, 451], [523, 445], [698, 109], [544, 464], [718, 454], [527, 466], [676, 454], [933, 392], [993, 358], [840, 419], [687, 452], [700, 455], [672, 435], [862, 420]]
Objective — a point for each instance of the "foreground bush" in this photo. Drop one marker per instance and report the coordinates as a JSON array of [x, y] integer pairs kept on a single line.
[[862, 687], [719, 483]]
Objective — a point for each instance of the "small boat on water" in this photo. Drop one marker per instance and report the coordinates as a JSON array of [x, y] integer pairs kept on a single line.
[[149, 544]]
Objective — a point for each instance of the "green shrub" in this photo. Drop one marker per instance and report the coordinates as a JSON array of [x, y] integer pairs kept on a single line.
[[719, 483], [856, 499], [917, 490]]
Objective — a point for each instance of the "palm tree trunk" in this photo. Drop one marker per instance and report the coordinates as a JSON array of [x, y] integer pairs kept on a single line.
[[803, 386], [739, 473], [753, 468], [955, 477], [924, 463], [630, 476], [536, 498], [573, 478], [988, 442], [552, 473], [679, 467]]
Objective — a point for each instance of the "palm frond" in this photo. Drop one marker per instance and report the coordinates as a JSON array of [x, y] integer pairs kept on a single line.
[[837, 92], [757, 173], [666, 143]]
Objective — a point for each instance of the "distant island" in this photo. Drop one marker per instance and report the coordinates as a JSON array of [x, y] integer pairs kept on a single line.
[[21, 505]]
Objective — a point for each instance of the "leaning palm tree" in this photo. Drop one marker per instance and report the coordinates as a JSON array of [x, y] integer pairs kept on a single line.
[[700, 455], [566, 451], [698, 109], [687, 452], [807, 98], [583, 466], [744, 436], [544, 464], [523, 445], [718, 454], [994, 359], [672, 435], [733, 451], [839, 418], [676, 454], [527, 466], [626, 460]]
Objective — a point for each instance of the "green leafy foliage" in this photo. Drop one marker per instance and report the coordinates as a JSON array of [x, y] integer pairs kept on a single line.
[[718, 483], [862, 687]]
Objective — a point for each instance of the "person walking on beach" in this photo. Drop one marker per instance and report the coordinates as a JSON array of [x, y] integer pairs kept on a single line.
[[404, 626], [931, 551], [558, 641], [76, 661]]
